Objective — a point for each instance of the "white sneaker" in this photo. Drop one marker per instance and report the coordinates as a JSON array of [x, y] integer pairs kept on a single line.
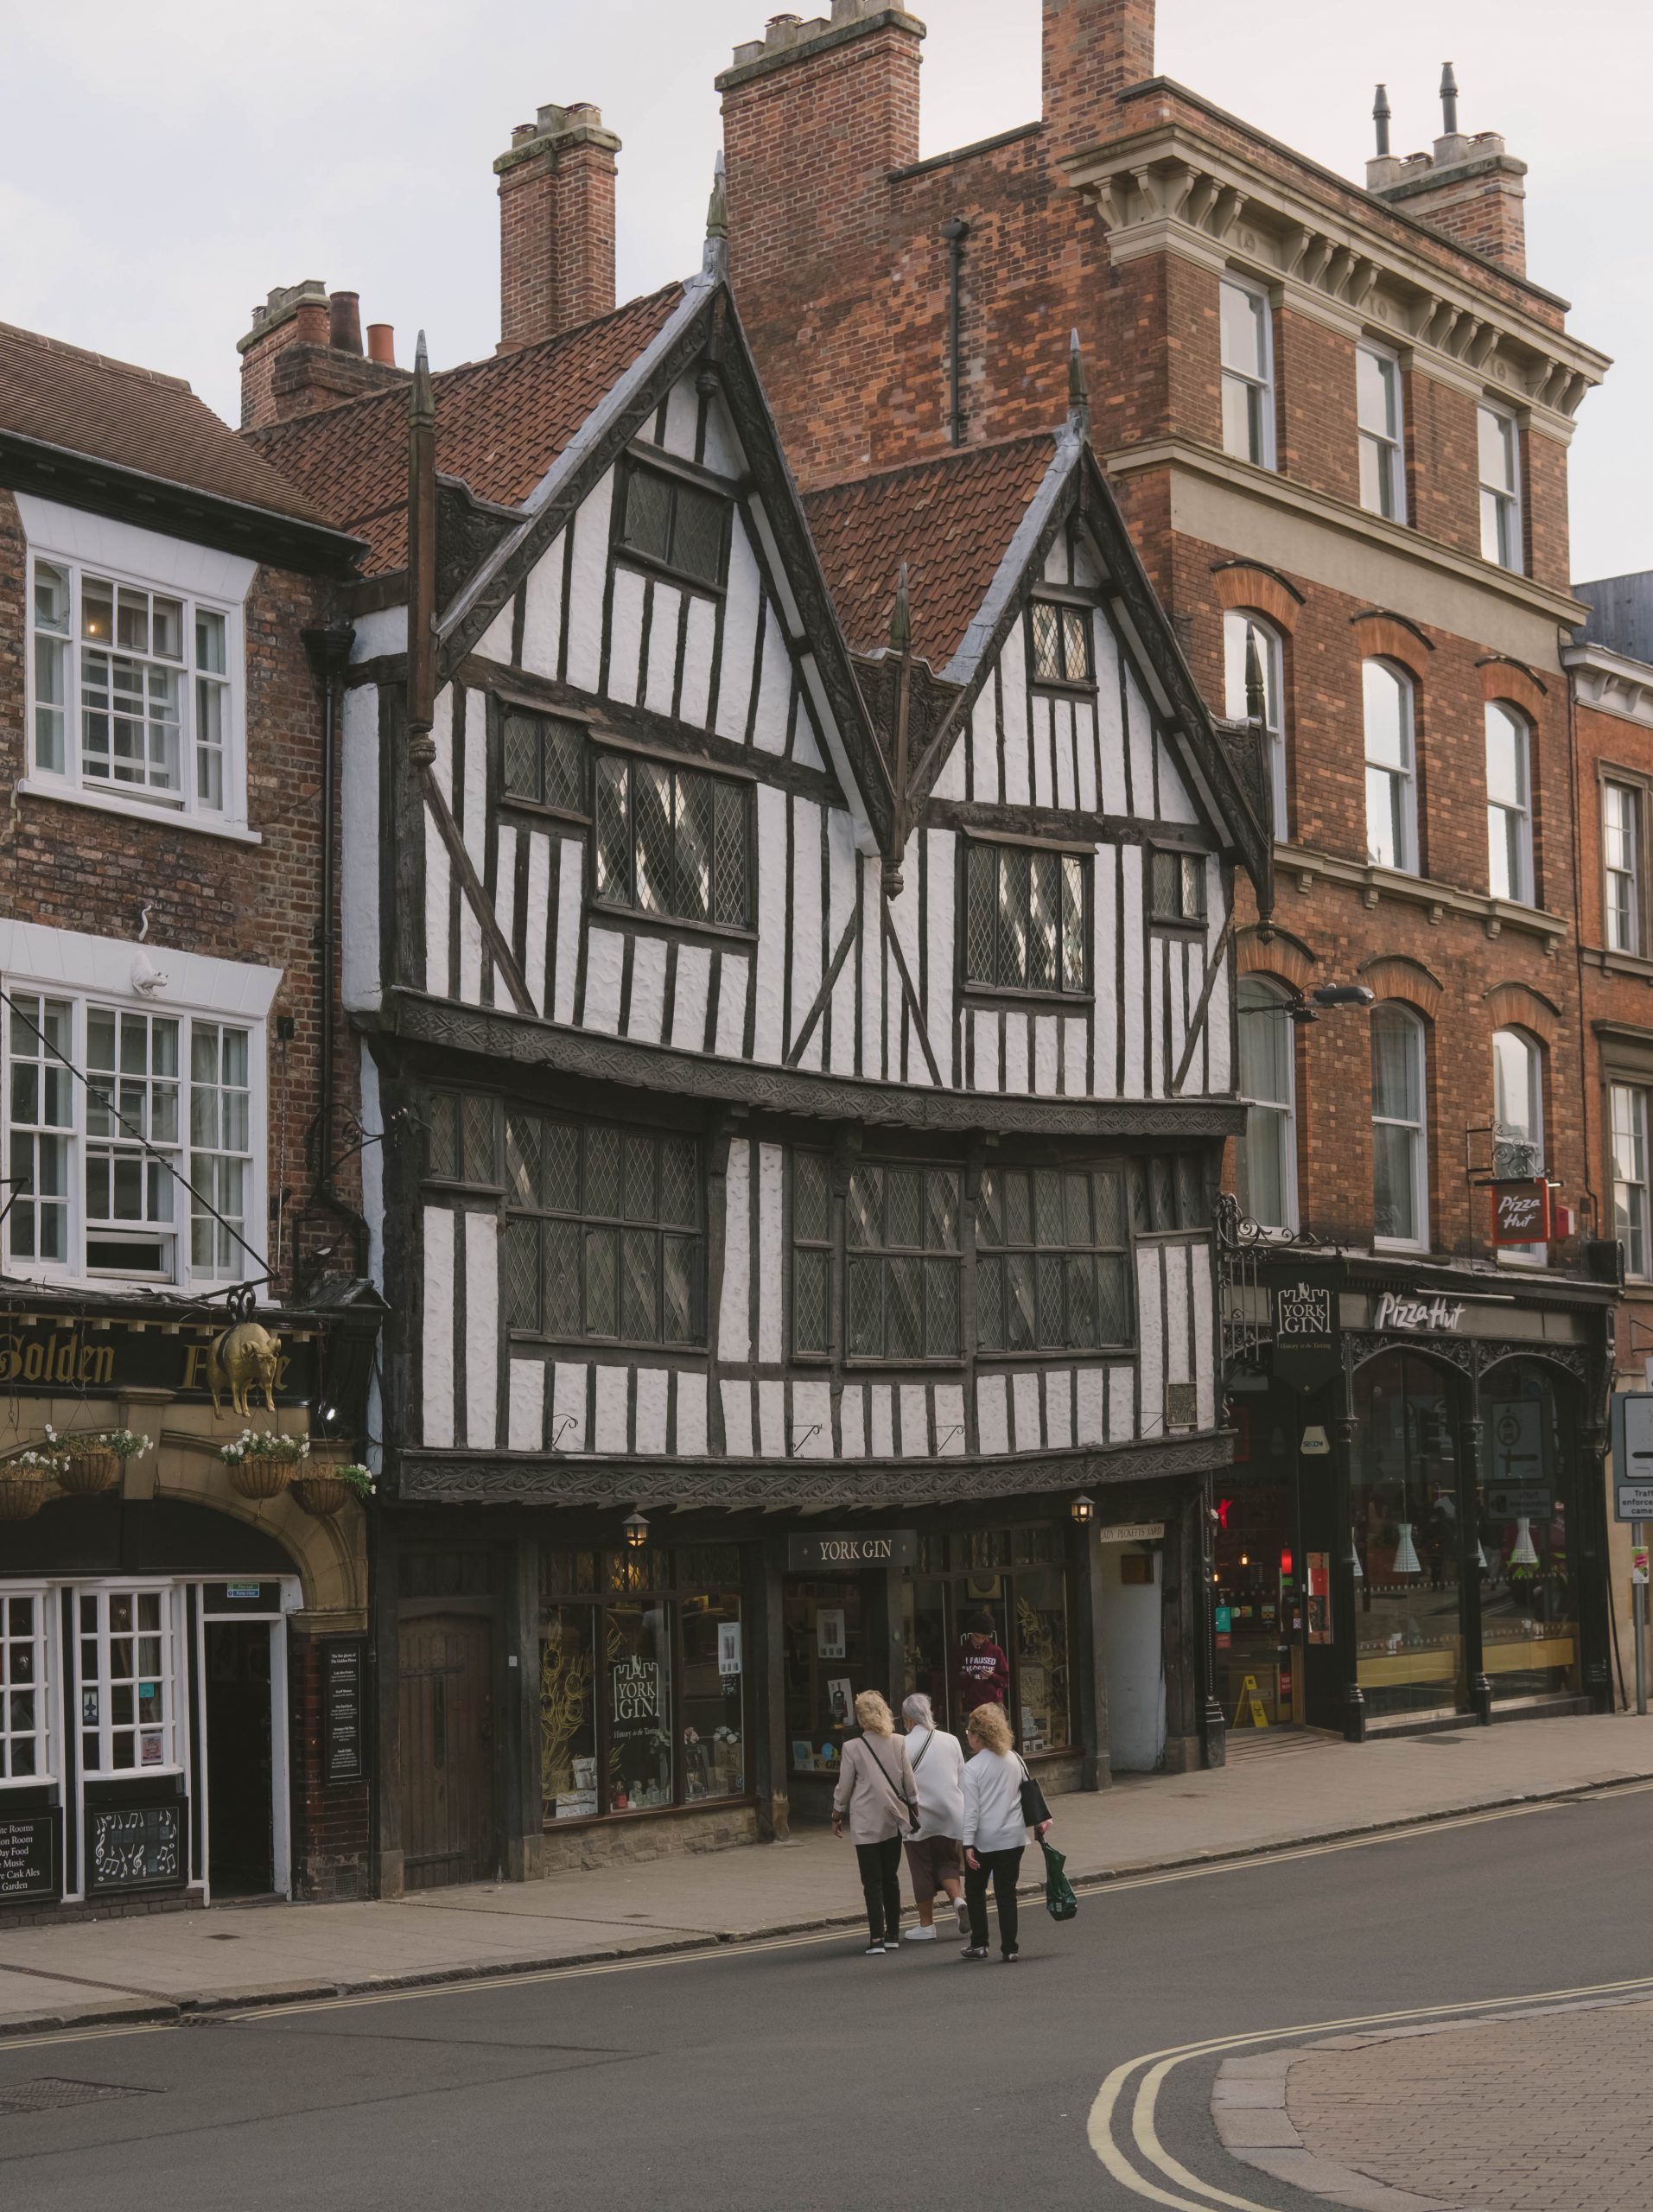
[[920, 1935]]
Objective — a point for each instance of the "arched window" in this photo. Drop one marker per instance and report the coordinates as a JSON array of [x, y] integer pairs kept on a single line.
[[1391, 767], [1400, 1129], [1517, 1114], [1239, 626], [1509, 803], [1266, 1154]]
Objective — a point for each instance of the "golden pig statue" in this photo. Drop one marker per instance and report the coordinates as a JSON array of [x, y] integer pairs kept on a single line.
[[245, 1358]]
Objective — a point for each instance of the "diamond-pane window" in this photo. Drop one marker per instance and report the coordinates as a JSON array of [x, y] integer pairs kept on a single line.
[[811, 1255], [1051, 1265], [464, 1143], [1061, 643], [648, 514], [1179, 887], [901, 1227], [540, 759], [1024, 918], [672, 841], [684, 526]]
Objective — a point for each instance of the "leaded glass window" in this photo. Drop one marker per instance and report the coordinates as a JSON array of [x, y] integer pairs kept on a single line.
[[541, 759], [1051, 1266], [1061, 637], [811, 1255], [1179, 887], [903, 1262], [1024, 918], [671, 842], [684, 526], [464, 1142]]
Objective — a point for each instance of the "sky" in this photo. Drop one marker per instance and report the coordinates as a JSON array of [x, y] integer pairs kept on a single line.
[[162, 166]]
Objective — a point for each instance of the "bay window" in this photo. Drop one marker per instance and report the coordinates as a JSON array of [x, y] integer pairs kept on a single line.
[[671, 841], [1024, 918]]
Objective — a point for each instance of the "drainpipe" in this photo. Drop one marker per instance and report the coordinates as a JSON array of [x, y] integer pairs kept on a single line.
[[329, 654]]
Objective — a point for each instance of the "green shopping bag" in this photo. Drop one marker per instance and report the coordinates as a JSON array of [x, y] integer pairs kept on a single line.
[[1059, 1900]]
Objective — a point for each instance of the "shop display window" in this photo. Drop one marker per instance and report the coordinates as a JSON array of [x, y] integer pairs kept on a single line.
[[641, 1679], [826, 1646], [25, 1742], [985, 1620], [127, 1698], [1526, 1527], [1409, 1644]]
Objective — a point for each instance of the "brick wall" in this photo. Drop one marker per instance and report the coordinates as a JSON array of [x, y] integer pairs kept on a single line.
[[332, 1831]]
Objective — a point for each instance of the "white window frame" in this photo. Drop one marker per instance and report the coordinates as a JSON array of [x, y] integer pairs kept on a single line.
[[174, 1677], [1530, 1133], [1271, 1003], [1505, 816], [1502, 532], [1238, 624], [1627, 1128], [1401, 778], [46, 1733], [1262, 387], [84, 545], [1392, 1011], [194, 991], [1626, 870], [1389, 447]]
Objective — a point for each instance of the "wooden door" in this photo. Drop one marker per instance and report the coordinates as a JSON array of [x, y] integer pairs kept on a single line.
[[447, 1706]]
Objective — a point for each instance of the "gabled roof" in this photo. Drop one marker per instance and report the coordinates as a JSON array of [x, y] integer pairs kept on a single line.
[[951, 519], [79, 403], [501, 424]]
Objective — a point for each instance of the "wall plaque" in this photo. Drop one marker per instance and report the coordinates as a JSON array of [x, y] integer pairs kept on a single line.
[[29, 1845], [136, 1846], [344, 1668], [847, 1551]]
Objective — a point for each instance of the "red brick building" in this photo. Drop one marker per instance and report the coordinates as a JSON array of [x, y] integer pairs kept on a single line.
[[1337, 419], [179, 1153]]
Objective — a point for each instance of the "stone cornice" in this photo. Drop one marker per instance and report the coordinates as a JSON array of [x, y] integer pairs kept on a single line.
[[1610, 683], [1357, 522], [1304, 867], [1170, 188]]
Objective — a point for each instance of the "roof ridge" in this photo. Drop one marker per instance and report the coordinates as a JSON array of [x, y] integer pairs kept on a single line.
[[953, 455], [38, 338]]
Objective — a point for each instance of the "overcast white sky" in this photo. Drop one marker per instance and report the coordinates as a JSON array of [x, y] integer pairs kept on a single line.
[[162, 166]]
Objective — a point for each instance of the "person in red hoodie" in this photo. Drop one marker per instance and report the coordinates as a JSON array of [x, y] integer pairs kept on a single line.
[[983, 1672]]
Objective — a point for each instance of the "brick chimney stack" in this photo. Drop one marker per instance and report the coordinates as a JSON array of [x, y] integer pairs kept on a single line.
[[1093, 49], [1470, 190], [557, 223], [304, 352]]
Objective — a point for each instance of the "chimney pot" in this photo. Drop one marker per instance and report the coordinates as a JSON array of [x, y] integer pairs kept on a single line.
[[381, 343], [344, 322]]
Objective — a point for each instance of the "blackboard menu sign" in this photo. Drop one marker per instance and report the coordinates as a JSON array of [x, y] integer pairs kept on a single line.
[[135, 1847], [344, 1667], [28, 1856]]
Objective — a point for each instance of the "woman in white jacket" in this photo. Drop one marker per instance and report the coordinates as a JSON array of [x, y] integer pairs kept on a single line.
[[934, 1854], [994, 1834]]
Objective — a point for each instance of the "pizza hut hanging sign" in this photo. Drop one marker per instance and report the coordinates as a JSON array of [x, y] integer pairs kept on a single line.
[[1521, 1212]]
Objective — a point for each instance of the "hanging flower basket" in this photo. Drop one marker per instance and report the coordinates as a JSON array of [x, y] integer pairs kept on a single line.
[[89, 1464], [88, 1474], [260, 1478], [326, 1487], [260, 1464], [22, 1483]]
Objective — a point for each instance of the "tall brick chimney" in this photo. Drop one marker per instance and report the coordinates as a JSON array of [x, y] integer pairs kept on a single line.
[[1093, 49], [1470, 190], [557, 223], [304, 352]]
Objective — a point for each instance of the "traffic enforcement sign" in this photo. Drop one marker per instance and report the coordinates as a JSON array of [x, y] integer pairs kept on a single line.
[[1632, 1444]]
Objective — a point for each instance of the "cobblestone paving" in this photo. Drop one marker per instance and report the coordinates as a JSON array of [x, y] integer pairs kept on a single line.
[[1547, 2113]]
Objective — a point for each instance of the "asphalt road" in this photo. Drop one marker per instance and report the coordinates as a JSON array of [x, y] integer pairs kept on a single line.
[[801, 2075]]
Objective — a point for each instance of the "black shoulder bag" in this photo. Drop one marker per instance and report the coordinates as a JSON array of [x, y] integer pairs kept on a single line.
[[1033, 1808]]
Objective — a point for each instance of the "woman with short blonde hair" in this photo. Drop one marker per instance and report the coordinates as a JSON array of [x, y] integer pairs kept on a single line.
[[994, 1831], [876, 1790]]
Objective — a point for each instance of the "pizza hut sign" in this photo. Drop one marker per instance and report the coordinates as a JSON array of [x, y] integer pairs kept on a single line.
[[1436, 1316], [1521, 1212]]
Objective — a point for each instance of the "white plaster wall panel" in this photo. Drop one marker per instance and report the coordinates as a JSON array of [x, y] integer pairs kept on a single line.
[[570, 903], [737, 1418], [1015, 1053], [880, 1421], [741, 602], [1012, 668], [688, 1001], [772, 923], [949, 784], [359, 884], [1179, 1312], [734, 1326], [613, 1391], [699, 648], [775, 688], [1059, 1409], [1090, 1413], [1024, 1399], [841, 856], [985, 1028], [1219, 1016], [505, 882], [806, 751], [1067, 782], [805, 924], [470, 951], [1047, 1053], [941, 852], [1073, 1044], [568, 1379], [811, 1409], [1142, 744], [436, 1367], [1084, 756], [984, 742], [441, 736], [536, 933], [481, 1330], [542, 619], [494, 643], [1200, 1262], [1175, 803], [874, 955], [436, 911], [949, 1420], [770, 1159], [915, 1422], [626, 633], [771, 1420], [905, 914], [1132, 1012], [605, 966], [1150, 1339], [683, 415], [731, 1006], [992, 1413], [1087, 576], [723, 456], [852, 1421], [691, 1416], [1040, 716], [652, 1386], [1105, 954], [1114, 799], [587, 585], [661, 680], [476, 780], [648, 990], [1157, 1015], [1122, 1404], [525, 1409]]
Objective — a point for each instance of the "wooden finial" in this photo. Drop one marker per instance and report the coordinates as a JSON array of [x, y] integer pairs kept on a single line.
[[1079, 389], [902, 615], [422, 550], [1257, 697]]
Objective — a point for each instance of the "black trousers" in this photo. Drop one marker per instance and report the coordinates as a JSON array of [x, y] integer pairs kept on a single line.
[[1000, 1868], [880, 1880]]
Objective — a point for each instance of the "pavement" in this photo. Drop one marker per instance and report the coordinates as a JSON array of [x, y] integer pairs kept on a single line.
[[1282, 1789]]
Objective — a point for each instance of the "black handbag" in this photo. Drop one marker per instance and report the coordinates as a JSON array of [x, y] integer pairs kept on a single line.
[[1033, 1808]]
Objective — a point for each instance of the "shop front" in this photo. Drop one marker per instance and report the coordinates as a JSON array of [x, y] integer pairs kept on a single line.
[[1414, 1528]]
